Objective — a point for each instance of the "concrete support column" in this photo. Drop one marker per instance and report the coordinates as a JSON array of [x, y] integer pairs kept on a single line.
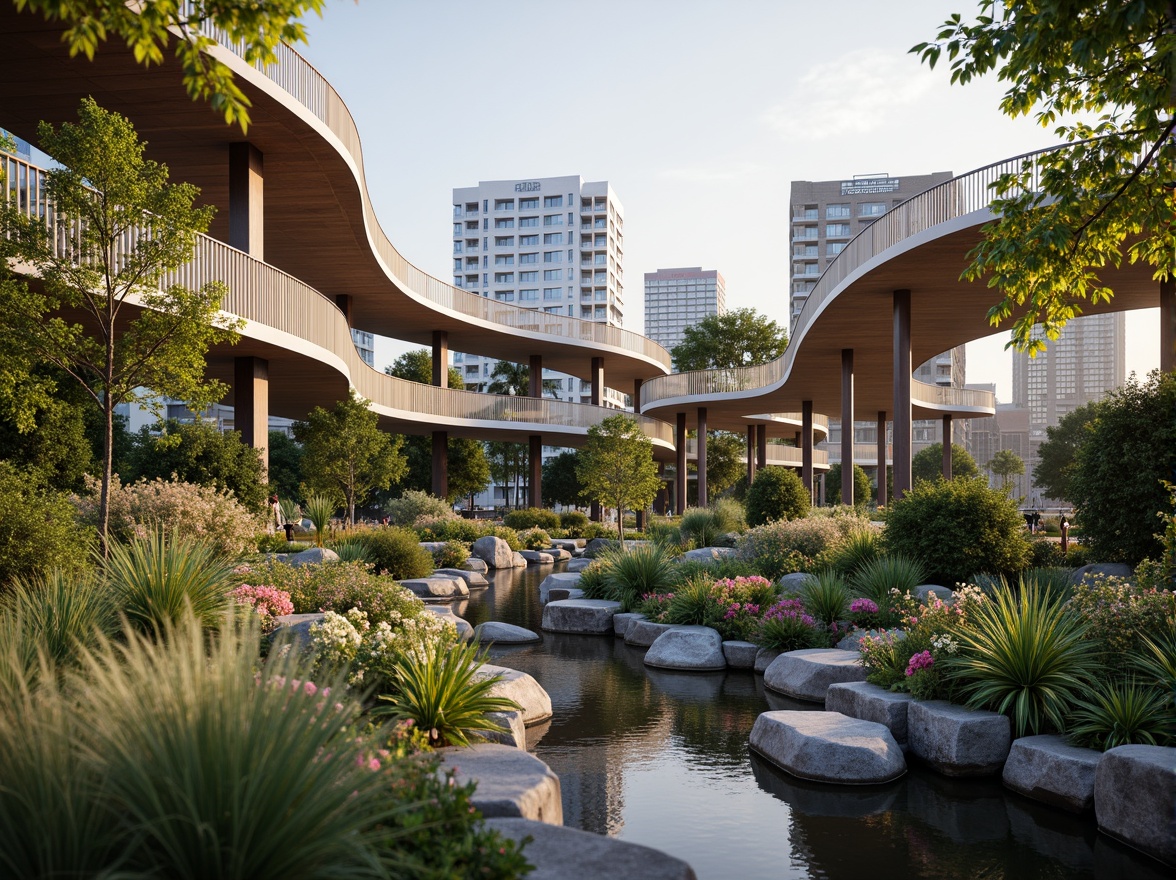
[[598, 381], [441, 464], [846, 429], [750, 454], [1168, 325], [441, 358], [251, 403], [761, 447], [535, 461], [806, 446], [680, 464], [881, 458], [821, 490], [246, 200], [947, 447], [637, 383], [535, 378], [902, 393], [702, 499], [344, 301]]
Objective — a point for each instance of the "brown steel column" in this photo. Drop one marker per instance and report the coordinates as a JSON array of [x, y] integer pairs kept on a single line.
[[881, 441], [702, 500], [598, 381], [535, 460], [343, 301], [441, 358], [680, 464], [441, 464], [846, 428], [535, 378], [246, 200], [806, 446], [750, 454], [1168, 325], [251, 403], [761, 446], [637, 383], [947, 447], [902, 393]]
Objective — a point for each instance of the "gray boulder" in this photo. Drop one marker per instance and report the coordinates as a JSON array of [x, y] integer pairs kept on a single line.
[[1048, 769], [588, 616], [569, 545], [958, 741], [532, 699], [475, 564], [622, 622], [925, 591], [313, 556], [514, 732], [464, 631], [436, 587], [696, 648], [807, 674], [296, 627], [740, 655], [503, 633], [555, 594], [577, 565], [558, 554], [796, 582], [434, 547], [557, 580], [764, 658], [859, 699], [518, 560], [473, 579], [1134, 792], [1109, 569], [558, 853], [597, 546], [710, 554], [828, 747], [643, 633], [495, 552], [537, 557], [511, 782]]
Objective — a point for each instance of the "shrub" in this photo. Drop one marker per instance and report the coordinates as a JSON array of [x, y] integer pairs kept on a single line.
[[883, 578], [776, 493], [532, 518], [592, 580], [596, 530], [448, 528], [269, 603], [1123, 712], [884, 656], [860, 547], [339, 587], [319, 509], [202, 512], [535, 539], [724, 567], [700, 526], [37, 530], [730, 514], [573, 522], [665, 532], [396, 552], [1044, 553], [1121, 615], [452, 555], [826, 598], [413, 504], [785, 627], [696, 603], [958, 528], [630, 574], [1156, 661]]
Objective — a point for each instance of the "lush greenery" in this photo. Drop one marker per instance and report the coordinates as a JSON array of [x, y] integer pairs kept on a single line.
[[861, 485], [776, 493], [37, 529], [616, 466], [737, 338], [1055, 457], [397, 552], [561, 484], [413, 504], [927, 464]]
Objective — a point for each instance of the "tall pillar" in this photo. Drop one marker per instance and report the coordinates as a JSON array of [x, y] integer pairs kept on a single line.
[[441, 464], [441, 358], [680, 464], [947, 447], [246, 200], [750, 454], [806, 446], [1168, 325], [821, 489], [846, 429], [702, 499], [881, 458], [344, 302], [535, 378], [637, 383], [902, 393], [761, 447], [251, 403], [535, 460], [598, 381]]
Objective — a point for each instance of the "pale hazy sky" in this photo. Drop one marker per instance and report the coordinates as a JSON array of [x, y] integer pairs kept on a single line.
[[700, 113]]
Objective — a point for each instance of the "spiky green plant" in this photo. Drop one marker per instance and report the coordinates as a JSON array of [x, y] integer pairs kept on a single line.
[[700, 526], [1054, 580], [789, 633], [351, 548], [1024, 656], [61, 612], [291, 512], [156, 579], [319, 509], [695, 603], [665, 533], [860, 547], [442, 693], [1156, 661], [630, 574], [877, 578], [1123, 712], [826, 597]]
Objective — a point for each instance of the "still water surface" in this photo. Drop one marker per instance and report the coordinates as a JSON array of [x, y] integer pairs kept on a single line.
[[661, 759]]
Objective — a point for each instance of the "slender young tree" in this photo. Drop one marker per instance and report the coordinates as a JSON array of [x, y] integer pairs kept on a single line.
[[739, 338], [1006, 464], [616, 467]]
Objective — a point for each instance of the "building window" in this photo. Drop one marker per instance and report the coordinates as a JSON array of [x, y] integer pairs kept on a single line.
[[528, 221], [457, 247], [527, 240], [528, 276], [504, 260], [837, 212], [553, 274], [528, 258], [471, 207], [504, 204], [504, 241], [553, 201], [504, 223], [504, 277], [504, 295], [529, 294], [871, 209], [552, 293], [528, 204], [553, 238], [834, 230], [553, 220], [600, 259], [552, 256], [553, 310], [472, 224], [833, 248]]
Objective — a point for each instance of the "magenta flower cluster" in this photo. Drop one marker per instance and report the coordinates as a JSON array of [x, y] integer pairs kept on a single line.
[[789, 609], [922, 660], [266, 601], [863, 606], [734, 609]]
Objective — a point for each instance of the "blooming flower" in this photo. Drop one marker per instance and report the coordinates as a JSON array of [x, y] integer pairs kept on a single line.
[[922, 660]]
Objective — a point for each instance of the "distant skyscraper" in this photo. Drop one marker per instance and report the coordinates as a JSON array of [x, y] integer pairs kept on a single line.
[[679, 298]]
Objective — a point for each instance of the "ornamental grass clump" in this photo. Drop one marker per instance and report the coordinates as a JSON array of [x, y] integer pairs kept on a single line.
[[786, 627], [826, 597], [319, 509], [627, 575], [1123, 712], [59, 614], [886, 580], [856, 550], [700, 526]]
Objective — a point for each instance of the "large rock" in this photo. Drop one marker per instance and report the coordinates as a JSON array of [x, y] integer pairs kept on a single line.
[[691, 648], [796, 582], [923, 592], [710, 554], [495, 552], [859, 699], [569, 545], [537, 557], [533, 701], [557, 580], [828, 747], [1134, 794], [514, 732], [464, 631], [807, 674], [313, 556], [1048, 769], [588, 616], [436, 587], [958, 741], [577, 565], [296, 627], [598, 546], [1107, 569], [740, 655], [518, 560], [503, 633], [643, 633], [557, 593], [475, 564], [558, 554], [624, 620], [511, 782], [473, 579], [558, 853], [764, 658]]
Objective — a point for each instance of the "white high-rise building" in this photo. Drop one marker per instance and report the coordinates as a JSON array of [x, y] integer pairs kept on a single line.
[[551, 243], [679, 298]]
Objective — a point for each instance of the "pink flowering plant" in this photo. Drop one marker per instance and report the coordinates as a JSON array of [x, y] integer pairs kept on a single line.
[[340, 586], [787, 627], [270, 603], [655, 606], [863, 613]]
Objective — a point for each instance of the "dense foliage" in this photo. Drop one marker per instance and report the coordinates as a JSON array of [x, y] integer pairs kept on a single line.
[[37, 529], [927, 464], [861, 485], [737, 338], [776, 493]]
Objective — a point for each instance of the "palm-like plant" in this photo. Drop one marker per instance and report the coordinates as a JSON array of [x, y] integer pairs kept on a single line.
[[826, 597], [443, 695], [1024, 656], [1123, 712], [860, 547], [877, 578], [351, 548], [156, 580], [1157, 660], [630, 574], [319, 509]]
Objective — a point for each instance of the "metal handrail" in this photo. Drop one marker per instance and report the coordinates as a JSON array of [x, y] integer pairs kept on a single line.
[[780, 456], [264, 295]]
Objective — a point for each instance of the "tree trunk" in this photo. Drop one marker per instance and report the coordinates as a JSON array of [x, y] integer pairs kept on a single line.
[[107, 445]]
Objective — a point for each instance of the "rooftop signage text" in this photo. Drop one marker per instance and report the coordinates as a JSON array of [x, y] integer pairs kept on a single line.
[[869, 185], [527, 186]]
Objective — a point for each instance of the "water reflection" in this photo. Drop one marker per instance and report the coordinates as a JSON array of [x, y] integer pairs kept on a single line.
[[661, 758]]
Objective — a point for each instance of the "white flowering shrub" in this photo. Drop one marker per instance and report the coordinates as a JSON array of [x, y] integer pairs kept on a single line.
[[371, 650]]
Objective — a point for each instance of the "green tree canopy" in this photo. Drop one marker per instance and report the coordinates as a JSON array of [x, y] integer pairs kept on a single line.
[[616, 466], [928, 463], [1006, 464], [1102, 74], [417, 366], [1121, 463], [148, 29], [561, 483], [346, 455], [508, 465], [515, 380], [861, 485], [738, 338], [57, 450], [776, 493], [724, 461], [469, 471], [119, 209], [1055, 457]]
